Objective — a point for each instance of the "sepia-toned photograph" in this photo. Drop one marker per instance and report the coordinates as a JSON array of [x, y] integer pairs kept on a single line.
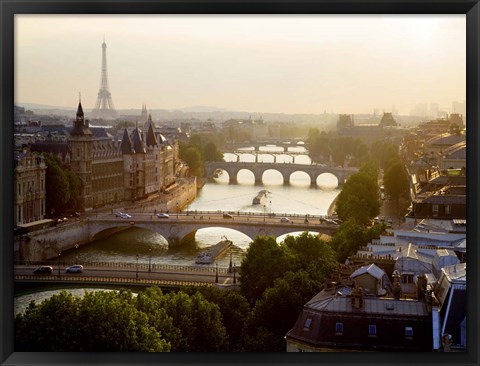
[[240, 183]]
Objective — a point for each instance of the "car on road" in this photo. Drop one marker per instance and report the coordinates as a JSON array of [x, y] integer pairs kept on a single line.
[[77, 268], [284, 219], [118, 213], [227, 216], [43, 270], [125, 216], [162, 215]]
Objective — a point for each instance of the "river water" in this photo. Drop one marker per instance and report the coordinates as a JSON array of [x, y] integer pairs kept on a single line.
[[296, 198]]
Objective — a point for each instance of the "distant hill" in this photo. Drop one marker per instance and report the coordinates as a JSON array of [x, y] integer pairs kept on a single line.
[[37, 106]]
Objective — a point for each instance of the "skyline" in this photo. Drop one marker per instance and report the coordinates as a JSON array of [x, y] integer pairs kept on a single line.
[[271, 64]]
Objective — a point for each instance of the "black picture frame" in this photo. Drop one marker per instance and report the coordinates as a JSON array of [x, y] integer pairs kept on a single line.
[[11, 7]]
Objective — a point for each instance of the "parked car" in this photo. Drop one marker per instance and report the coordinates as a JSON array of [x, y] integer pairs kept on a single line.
[[162, 215], [43, 270], [227, 216], [284, 219], [77, 268]]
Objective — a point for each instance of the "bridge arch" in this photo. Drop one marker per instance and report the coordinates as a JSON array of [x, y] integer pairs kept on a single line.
[[298, 176], [327, 180], [275, 177]]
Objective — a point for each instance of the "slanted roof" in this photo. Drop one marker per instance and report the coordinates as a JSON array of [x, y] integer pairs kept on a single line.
[[151, 139], [371, 269], [126, 145], [137, 141]]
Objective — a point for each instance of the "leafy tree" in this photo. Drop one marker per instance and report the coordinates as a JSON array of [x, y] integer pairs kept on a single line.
[[100, 321], [151, 302], [279, 307], [56, 185], [234, 309], [396, 181], [74, 185], [311, 254], [193, 157], [260, 339], [211, 153], [359, 199], [383, 152], [263, 263], [199, 322], [108, 320], [348, 239]]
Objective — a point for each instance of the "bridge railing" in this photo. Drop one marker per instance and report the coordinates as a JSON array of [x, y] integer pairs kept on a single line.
[[110, 280], [237, 213], [154, 267]]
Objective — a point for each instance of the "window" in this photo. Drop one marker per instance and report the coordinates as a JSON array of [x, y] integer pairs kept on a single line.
[[372, 330], [307, 324], [408, 332], [338, 328], [447, 210], [435, 210]]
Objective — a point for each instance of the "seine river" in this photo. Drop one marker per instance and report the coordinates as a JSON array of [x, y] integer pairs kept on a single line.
[[296, 198]]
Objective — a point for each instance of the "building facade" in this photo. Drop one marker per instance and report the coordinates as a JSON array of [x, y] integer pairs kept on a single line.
[[29, 188]]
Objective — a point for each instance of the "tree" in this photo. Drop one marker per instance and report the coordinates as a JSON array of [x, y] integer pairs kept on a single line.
[[359, 199], [199, 322], [310, 254], [193, 157], [396, 181], [348, 239], [100, 321], [263, 263], [234, 309], [211, 153], [279, 307], [74, 186], [56, 185]]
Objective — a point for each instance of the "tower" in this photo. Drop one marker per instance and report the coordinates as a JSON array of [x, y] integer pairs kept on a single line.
[[80, 148], [104, 106]]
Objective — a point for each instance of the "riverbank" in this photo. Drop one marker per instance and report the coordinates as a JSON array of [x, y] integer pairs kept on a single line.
[[333, 206]]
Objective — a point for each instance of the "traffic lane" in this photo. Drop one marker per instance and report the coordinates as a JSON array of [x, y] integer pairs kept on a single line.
[[130, 273], [212, 217]]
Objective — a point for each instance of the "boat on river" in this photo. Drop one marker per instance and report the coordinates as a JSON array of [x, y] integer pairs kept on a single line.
[[260, 198], [218, 249]]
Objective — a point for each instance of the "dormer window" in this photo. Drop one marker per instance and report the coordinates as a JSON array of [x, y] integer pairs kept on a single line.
[[307, 324], [338, 328]]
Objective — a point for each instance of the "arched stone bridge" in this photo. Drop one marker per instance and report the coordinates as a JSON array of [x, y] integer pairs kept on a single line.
[[286, 169], [177, 230]]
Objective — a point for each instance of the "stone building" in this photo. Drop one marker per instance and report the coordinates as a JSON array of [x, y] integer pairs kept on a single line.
[[29, 187], [110, 171]]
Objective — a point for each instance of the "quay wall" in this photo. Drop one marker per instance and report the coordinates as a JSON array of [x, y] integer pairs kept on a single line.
[[48, 243]]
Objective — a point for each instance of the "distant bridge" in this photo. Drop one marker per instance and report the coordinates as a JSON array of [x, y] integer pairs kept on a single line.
[[257, 144], [272, 153], [286, 169]]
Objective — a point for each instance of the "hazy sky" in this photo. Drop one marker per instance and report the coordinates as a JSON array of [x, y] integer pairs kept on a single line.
[[291, 64]]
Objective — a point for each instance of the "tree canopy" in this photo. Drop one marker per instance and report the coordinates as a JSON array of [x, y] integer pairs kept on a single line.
[[359, 199], [118, 321], [396, 181]]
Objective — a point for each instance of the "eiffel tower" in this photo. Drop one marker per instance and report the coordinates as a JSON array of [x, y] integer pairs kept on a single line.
[[104, 106]]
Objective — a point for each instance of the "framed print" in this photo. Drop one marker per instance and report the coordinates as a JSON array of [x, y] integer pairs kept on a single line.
[[225, 182]]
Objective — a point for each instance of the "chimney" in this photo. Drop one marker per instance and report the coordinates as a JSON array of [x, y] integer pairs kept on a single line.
[[357, 298], [421, 286]]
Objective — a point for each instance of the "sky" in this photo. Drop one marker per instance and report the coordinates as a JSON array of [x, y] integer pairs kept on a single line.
[[253, 63]]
